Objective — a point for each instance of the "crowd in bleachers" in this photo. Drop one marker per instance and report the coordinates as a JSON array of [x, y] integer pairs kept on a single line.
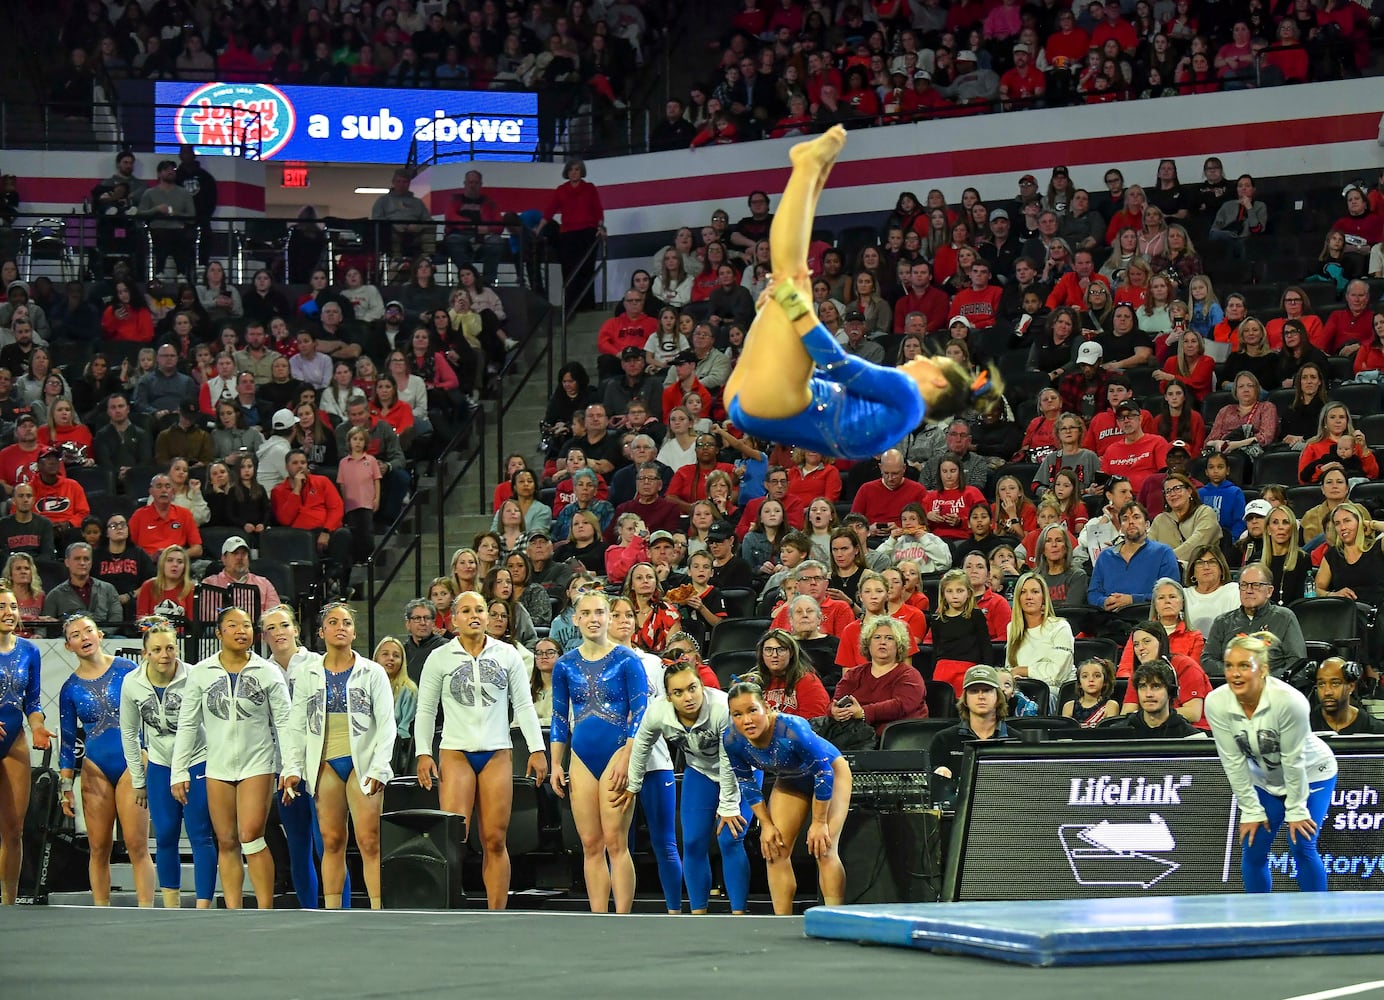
[[789, 68], [224, 387], [510, 46]]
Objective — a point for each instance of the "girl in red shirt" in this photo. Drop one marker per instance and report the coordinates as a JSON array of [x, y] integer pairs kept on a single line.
[[388, 407], [948, 508], [64, 431], [1191, 367], [128, 317], [169, 593], [1370, 358], [793, 687]]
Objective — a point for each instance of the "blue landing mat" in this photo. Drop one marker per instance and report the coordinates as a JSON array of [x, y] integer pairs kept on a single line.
[[1118, 931]]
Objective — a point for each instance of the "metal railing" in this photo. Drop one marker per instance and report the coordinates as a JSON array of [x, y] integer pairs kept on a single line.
[[543, 330], [113, 125], [445, 488], [570, 302], [414, 516], [561, 132]]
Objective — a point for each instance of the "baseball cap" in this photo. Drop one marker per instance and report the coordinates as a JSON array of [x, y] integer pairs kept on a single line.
[[1060, 172], [189, 406], [962, 320], [233, 544], [983, 675], [23, 417], [855, 316], [1021, 47], [630, 353], [540, 533], [394, 304], [1089, 353], [661, 536], [685, 358], [1127, 406], [52, 451], [1179, 445], [1258, 508], [922, 74], [965, 55], [283, 420], [1028, 179], [999, 213], [720, 531]]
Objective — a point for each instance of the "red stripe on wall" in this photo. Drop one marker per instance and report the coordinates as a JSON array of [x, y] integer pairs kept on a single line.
[[913, 168], [75, 190]]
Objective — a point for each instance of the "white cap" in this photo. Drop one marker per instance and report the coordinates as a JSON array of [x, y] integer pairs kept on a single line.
[[1021, 47], [966, 55], [1089, 353], [283, 420], [232, 544], [1258, 508], [963, 321]]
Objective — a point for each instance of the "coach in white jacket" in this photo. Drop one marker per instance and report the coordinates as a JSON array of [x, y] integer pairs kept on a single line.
[[476, 680], [242, 700]]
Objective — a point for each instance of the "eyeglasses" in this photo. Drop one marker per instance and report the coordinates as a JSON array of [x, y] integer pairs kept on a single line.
[[811, 579], [1170, 490], [1206, 562], [420, 618], [115, 524], [1291, 298], [773, 650], [1245, 585], [546, 652]]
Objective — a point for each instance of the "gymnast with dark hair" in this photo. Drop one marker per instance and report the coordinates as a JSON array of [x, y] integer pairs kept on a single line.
[[20, 698], [810, 778], [794, 383]]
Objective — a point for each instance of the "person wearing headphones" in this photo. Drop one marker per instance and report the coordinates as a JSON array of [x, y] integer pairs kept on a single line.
[[1336, 711], [1155, 687]]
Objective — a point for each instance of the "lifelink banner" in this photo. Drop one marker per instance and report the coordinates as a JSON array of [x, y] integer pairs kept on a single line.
[[346, 124]]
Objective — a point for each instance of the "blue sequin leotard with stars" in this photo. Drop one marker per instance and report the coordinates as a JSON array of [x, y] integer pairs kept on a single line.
[[21, 693], [606, 697], [95, 703], [796, 756]]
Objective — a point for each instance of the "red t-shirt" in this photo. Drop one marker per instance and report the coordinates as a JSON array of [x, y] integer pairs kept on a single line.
[[153, 533], [836, 616], [808, 700], [933, 304], [997, 614], [689, 482], [848, 653], [1102, 430], [881, 505], [980, 307], [1136, 461], [952, 502]]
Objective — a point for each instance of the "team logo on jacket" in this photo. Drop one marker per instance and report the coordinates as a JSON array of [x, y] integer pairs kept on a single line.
[[248, 690], [219, 699], [462, 678], [55, 504], [226, 116], [317, 703], [361, 714]]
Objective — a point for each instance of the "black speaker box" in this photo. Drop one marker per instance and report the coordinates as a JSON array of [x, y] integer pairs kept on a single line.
[[421, 851], [891, 857]]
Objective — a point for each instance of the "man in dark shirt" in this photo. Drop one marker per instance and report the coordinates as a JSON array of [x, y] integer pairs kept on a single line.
[[550, 575], [730, 302], [728, 570], [601, 448], [755, 226], [15, 356], [23, 531], [121, 444], [983, 708], [633, 382], [674, 132], [1335, 711], [1156, 686], [419, 615], [474, 228]]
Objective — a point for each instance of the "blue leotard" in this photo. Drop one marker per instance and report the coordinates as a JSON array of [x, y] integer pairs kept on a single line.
[[338, 703], [21, 693], [607, 698], [858, 408], [95, 704], [798, 758]]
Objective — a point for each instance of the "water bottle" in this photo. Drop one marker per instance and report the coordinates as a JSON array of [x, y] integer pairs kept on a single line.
[[1310, 590]]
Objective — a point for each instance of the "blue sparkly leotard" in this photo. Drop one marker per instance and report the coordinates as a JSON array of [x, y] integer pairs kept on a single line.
[[797, 757], [858, 409], [95, 704], [20, 690], [607, 698], [338, 705]]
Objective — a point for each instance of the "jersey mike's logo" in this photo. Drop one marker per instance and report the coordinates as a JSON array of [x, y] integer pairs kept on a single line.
[[224, 116]]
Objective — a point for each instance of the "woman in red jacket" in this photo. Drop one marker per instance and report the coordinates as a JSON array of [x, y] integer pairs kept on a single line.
[[392, 410], [1337, 442], [576, 203], [169, 593], [128, 317], [1370, 358], [64, 432], [793, 686], [1191, 366]]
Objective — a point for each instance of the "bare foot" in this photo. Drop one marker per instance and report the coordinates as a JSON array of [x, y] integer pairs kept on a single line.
[[821, 152]]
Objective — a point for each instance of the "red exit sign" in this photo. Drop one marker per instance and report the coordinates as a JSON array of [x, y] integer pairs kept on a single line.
[[295, 177]]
